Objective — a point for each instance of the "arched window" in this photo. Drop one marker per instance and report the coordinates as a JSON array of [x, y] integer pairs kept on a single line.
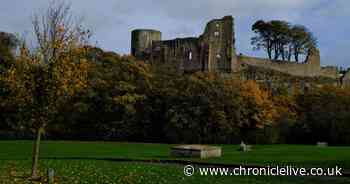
[[190, 55]]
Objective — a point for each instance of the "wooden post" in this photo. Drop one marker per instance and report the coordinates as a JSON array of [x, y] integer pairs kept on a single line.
[[50, 176]]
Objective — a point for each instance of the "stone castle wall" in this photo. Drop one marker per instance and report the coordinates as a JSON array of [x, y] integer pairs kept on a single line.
[[141, 41], [346, 79], [184, 54], [219, 38], [310, 68], [329, 71], [214, 51]]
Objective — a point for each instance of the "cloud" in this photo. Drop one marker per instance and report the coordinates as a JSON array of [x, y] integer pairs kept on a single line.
[[192, 9], [334, 9]]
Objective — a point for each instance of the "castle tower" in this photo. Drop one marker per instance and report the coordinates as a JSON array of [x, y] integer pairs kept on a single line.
[[219, 38], [141, 42]]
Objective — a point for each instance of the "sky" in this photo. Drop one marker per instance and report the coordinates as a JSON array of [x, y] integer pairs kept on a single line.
[[112, 21]]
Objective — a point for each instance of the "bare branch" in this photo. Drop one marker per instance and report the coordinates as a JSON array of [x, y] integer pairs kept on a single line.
[[57, 32]]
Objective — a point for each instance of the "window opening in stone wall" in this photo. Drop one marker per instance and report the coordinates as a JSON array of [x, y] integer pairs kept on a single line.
[[216, 33], [190, 55], [157, 48]]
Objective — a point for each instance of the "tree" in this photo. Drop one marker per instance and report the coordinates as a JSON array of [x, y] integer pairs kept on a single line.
[[42, 80], [117, 84], [264, 38], [301, 41], [272, 36], [280, 36], [258, 107], [8, 43], [324, 113], [282, 40]]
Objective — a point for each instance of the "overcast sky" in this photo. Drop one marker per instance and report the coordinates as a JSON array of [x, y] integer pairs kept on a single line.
[[112, 20]]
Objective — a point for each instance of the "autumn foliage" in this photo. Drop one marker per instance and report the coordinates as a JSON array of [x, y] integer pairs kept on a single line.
[[100, 95]]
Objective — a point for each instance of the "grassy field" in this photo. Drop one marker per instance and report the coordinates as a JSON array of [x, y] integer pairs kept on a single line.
[[88, 162]]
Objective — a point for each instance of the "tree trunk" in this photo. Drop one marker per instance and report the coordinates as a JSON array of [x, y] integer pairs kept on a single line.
[[290, 53], [296, 57], [269, 52], [281, 50], [276, 52], [269, 49], [35, 154]]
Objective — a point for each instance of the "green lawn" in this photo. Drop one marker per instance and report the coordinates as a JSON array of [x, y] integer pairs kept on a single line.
[[77, 162]]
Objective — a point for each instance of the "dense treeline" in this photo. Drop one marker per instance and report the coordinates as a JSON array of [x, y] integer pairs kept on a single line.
[[128, 100]]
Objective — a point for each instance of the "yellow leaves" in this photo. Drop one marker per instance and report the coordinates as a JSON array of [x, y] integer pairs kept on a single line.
[[27, 79], [70, 77], [257, 98], [285, 106], [20, 82], [334, 89], [127, 99], [250, 89]]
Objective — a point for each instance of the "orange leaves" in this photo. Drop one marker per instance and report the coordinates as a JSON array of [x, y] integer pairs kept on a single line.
[[258, 104], [251, 90], [268, 108], [285, 106], [336, 90]]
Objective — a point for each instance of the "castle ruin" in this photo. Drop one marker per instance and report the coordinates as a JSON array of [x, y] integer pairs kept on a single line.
[[214, 51]]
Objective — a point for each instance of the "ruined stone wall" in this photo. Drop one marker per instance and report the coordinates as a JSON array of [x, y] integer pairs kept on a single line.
[[184, 54], [310, 68], [219, 38], [141, 42], [213, 51], [329, 71], [346, 79]]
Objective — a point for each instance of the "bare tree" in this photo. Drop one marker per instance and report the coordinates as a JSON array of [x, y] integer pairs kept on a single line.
[[57, 32]]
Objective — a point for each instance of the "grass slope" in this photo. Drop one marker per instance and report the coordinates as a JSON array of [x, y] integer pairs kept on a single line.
[[15, 162], [299, 155]]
